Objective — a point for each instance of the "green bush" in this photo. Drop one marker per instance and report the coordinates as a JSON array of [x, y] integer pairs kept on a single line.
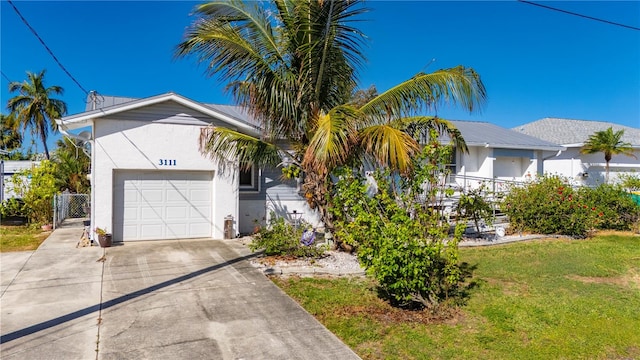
[[400, 238], [630, 181], [474, 206], [12, 207], [281, 238], [37, 187], [549, 205], [619, 211]]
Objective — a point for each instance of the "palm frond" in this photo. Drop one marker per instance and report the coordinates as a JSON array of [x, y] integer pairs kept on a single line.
[[455, 86], [419, 127], [608, 142], [333, 138], [389, 146], [227, 147]]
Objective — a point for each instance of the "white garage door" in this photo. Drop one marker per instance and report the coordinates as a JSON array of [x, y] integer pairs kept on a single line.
[[153, 205]]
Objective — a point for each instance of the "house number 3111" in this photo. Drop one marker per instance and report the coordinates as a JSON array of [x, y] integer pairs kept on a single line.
[[170, 162]]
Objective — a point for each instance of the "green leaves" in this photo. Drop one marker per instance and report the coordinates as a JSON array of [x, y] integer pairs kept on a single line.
[[399, 235], [550, 205], [35, 108], [609, 143], [293, 65], [226, 146], [37, 188]]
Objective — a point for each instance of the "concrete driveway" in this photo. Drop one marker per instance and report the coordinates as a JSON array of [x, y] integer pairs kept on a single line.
[[188, 299]]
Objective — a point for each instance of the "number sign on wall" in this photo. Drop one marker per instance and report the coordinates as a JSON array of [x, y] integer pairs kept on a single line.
[[167, 162]]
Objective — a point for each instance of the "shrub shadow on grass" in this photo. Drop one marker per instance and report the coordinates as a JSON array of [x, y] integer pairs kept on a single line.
[[447, 300]]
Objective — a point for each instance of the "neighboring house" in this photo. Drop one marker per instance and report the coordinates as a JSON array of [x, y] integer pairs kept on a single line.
[[498, 155], [7, 169], [150, 181], [583, 169]]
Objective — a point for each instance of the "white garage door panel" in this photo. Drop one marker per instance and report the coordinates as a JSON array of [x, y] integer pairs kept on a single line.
[[162, 205]]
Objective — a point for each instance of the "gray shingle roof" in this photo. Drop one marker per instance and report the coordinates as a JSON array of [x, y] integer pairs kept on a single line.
[[476, 133], [233, 111], [236, 112], [569, 131]]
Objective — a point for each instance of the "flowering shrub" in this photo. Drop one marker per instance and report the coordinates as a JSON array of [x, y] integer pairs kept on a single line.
[[549, 205], [619, 211], [280, 238]]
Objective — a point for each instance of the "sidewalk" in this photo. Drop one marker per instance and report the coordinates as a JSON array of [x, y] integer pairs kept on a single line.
[[48, 308]]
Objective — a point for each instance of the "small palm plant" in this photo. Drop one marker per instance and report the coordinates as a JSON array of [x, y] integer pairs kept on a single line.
[[610, 143]]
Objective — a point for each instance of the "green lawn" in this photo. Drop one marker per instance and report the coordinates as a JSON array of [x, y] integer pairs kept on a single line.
[[21, 238], [549, 299]]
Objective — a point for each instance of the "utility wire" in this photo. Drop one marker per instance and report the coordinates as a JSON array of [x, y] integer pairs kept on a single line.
[[46, 47], [6, 77], [580, 15]]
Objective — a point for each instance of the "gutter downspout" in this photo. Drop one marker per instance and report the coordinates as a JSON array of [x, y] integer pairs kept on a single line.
[[549, 157]]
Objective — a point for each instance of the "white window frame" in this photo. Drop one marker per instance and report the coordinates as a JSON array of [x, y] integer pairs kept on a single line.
[[252, 186]]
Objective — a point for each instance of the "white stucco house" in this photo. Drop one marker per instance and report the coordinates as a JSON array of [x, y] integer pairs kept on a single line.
[[149, 180], [583, 169], [498, 156]]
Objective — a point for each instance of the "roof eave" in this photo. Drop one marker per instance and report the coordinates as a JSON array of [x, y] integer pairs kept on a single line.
[[86, 118], [519, 147]]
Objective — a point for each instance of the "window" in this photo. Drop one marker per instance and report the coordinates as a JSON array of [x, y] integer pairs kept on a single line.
[[451, 166], [248, 179]]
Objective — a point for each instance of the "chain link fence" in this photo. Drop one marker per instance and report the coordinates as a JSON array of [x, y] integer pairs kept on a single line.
[[70, 206]]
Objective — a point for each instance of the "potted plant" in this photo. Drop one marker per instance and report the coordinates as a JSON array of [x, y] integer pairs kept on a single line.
[[104, 238]]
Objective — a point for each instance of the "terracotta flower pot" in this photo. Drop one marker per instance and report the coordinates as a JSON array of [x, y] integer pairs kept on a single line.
[[105, 240]]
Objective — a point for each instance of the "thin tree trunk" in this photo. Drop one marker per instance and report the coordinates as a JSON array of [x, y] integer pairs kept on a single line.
[[43, 136]]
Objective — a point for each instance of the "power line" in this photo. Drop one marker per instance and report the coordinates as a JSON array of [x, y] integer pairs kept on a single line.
[[46, 47], [6, 77], [580, 15]]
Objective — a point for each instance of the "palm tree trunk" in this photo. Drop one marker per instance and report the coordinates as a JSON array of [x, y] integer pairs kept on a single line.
[[316, 186], [43, 136]]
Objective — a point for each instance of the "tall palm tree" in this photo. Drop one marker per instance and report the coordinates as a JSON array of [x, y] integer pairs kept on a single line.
[[608, 142], [293, 65], [10, 137], [35, 108]]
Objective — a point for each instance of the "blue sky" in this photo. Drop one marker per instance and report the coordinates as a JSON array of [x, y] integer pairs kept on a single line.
[[534, 62]]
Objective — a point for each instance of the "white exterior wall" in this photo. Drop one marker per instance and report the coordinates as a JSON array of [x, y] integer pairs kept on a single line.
[[572, 165], [140, 145], [481, 163], [252, 213], [285, 209], [476, 163]]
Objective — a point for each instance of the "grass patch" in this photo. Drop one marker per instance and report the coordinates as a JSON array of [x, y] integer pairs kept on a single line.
[[546, 299], [21, 238]]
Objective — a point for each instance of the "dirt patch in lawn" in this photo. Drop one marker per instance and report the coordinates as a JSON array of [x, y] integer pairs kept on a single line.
[[388, 314], [631, 279]]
